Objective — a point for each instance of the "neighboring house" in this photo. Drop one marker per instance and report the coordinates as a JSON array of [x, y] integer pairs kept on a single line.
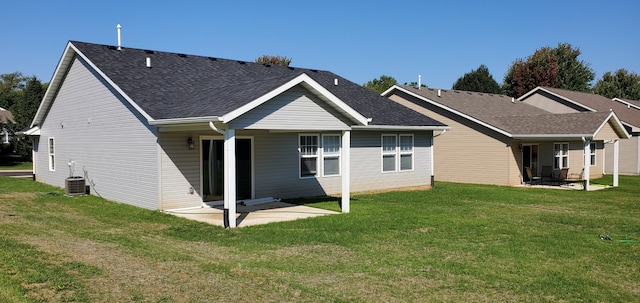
[[164, 131], [565, 101], [493, 138], [5, 118], [629, 103]]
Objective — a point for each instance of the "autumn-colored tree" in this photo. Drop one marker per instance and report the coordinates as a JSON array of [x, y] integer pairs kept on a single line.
[[620, 84], [557, 67], [274, 60]]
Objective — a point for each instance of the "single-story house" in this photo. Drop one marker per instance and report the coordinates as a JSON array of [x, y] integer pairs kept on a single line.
[[558, 100], [494, 138], [5, 118], [163, 130]]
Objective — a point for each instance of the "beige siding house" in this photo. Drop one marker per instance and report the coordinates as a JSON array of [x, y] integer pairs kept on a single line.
[[565, 101], [493, 139], [168, 131]]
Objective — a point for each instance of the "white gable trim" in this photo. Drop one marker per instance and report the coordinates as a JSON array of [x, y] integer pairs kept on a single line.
[[628, 104], [453, 111], [535, 90], [620, 127], [303, 78], [58, 78]]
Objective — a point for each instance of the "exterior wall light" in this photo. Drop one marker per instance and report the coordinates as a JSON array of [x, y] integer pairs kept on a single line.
[[190, 143]]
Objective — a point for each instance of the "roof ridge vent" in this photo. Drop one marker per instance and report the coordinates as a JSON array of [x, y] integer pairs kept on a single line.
[[213, 59], [149, 51], [182, 55], [242, 62]]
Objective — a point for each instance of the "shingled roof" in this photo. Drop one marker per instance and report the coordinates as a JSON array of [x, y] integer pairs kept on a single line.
[[513, 118], [594, 102], [6, 116], [179, 86]]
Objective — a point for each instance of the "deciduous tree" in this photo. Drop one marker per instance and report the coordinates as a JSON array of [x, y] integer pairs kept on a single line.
[[274, 60], [381, 84]]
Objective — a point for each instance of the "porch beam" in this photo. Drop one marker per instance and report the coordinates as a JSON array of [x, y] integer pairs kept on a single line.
[[346, 171], [586, 163], [230, 176], [616, 151]]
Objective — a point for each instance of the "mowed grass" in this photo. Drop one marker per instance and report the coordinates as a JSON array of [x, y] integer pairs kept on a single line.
[[454, 243]]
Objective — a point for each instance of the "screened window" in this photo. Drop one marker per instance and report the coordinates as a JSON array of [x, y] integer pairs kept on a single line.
[[389, 151], [406, 152], [52, 155], [308, 155], [561, 155], [331, 155]]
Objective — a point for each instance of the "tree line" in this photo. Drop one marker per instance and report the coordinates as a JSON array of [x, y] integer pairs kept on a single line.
[[557, 67]]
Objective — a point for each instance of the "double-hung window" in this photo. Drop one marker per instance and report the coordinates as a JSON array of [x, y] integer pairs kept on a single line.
[[561, 155], [389, 151], [331, 155], [308, 150], [52, 155], [592, 149], [406, 152], [397, 152]]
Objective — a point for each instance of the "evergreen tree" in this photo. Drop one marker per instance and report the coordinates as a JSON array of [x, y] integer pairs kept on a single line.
[[479, 80], [621, 84]]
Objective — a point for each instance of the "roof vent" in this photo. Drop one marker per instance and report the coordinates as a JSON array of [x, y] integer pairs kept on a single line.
[[148, 62], [242, 62], [213, 59], [289, 67], [513, 100], [419, 81], [118, 27], [149, 52], [112, 47], [335, 81], [182, 55], [439, 93]]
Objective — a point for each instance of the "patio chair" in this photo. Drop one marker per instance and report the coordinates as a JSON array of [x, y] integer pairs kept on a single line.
[[532, 179], [561, 178], [546, 174]]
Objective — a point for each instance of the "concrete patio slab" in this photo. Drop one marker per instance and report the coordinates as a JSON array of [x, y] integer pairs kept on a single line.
[[252, 215]]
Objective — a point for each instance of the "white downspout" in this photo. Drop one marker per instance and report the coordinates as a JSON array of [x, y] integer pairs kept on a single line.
[[586, 162], [616, 151]]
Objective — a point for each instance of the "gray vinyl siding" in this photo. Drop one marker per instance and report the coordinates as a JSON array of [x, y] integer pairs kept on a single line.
[[97, 129], [295, 109], [180, 171], [366, 162]]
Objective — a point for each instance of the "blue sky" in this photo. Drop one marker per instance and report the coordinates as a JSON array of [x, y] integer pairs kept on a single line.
[[359, 40]]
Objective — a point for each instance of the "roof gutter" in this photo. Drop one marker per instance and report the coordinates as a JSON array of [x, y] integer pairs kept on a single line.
[[398, 127], [182, 121], [554, 136]]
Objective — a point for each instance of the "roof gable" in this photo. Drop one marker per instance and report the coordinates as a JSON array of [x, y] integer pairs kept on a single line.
[[169, 88], [513, 119]]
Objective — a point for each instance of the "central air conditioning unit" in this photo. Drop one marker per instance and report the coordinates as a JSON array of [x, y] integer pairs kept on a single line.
[[74, 186]]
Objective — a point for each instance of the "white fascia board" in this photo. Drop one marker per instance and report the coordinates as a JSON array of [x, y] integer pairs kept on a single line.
[[180, 121], [33, 131], [553, 136], [56, 80], [531, 92], [303, 78], [59, 76], [613, 116], [399, 127], [453, 111], [628, 104]]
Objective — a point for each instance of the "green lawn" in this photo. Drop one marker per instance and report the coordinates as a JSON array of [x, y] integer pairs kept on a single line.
[[454, 243], [11, 163]]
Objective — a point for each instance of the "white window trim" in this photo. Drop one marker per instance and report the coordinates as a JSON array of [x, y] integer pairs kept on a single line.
[[401, 153], [51, 145], [592, 149], [337, 155], [301, 156], [386, 153], [561, 156]]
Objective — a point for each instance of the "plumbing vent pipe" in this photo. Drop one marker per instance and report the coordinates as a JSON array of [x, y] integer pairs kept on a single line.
[[439, 93], [148, 62], [335, 81], [118, 27], [419, 81], [513, 100]]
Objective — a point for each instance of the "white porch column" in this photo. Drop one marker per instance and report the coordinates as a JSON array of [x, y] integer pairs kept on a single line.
[[346, 171], [587, 163], [230, 176], [616, 151]]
